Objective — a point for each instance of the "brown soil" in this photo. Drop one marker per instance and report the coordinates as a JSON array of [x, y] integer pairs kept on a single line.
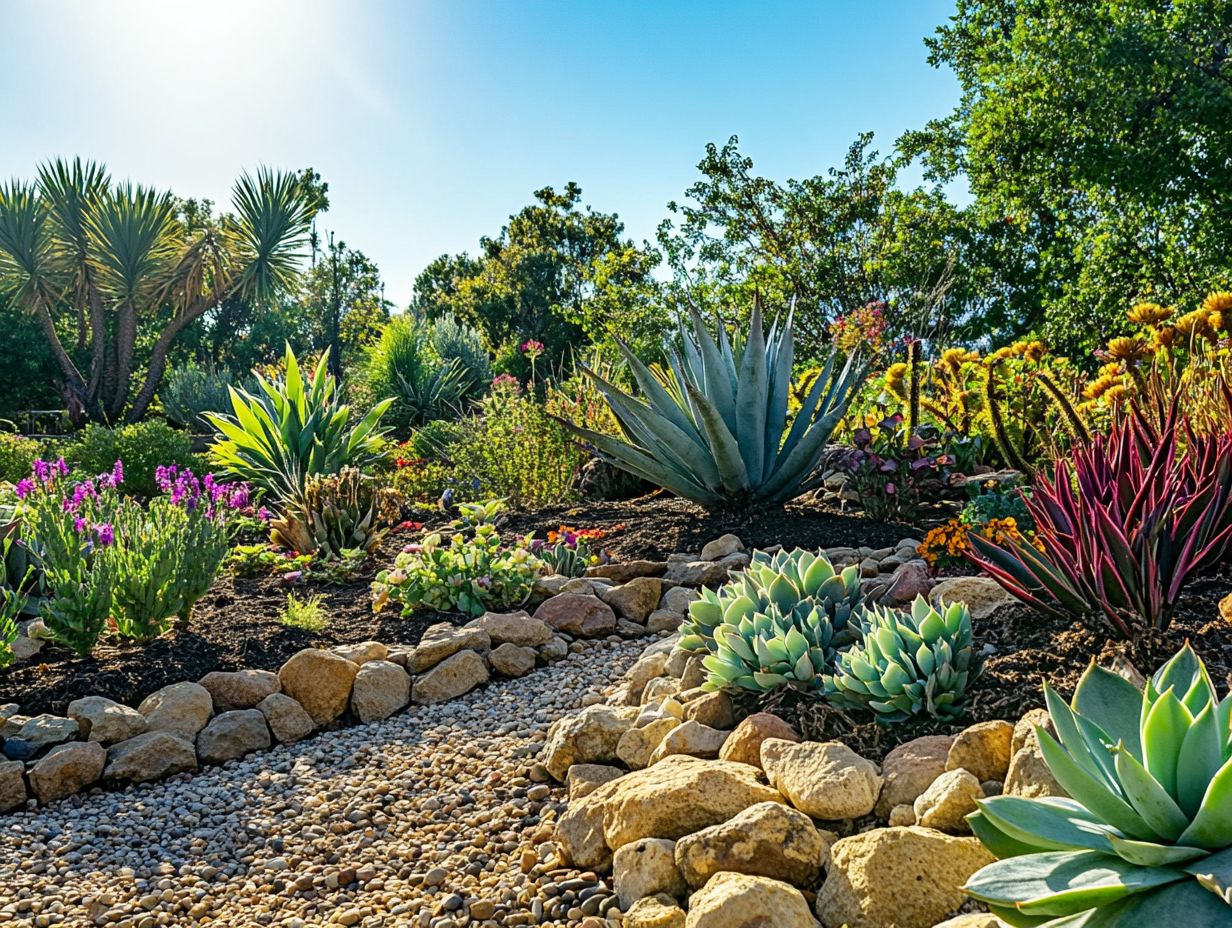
[[655, 526], [1028, 649]]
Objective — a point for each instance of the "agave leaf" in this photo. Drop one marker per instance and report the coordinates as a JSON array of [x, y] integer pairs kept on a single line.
[[1163, 732], [996, 840], [1151, 801], [1052, 825], [751, 397], [723, 445], [1179, 904], [1150, 854], [1200, 757], [1064, 882], [1081, 784], [1112, 703], [1212, 826]]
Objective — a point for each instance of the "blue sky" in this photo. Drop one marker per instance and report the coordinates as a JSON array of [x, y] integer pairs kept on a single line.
[[433, 121]]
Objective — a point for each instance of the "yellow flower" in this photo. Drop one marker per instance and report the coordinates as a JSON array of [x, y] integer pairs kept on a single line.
[[1165, 337], [1129, 349], [1036, 350], [1101, 386], [1120, 391], [895, 377], [1218, 302], [1112, 368], [1150, 314], [1194, 324]]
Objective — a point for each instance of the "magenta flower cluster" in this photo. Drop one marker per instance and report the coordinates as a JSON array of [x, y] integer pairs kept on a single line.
[[188, 490], [44, 472]]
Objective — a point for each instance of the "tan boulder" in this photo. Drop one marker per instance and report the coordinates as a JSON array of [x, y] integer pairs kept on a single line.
[[638, 744], [586, 737], [721, 547], [442, 640], [692, 738], [982, 595], [151, 756], [869, 874], [320, 681], [646, 867], [659, 687], [655, 912], [768, 839], [1225, 608], [232, 734], [513, 628], [584, 779], [1029, 775], [983, 750], [512, 660], [636, 599], [67, 769], [12, 785], [239, 689], [102, 720], [826, 780], [649, 666], [624, 571], [972, 920], [744, 745], [948, 801], [361, 652], [455, 676], [287, 719], [181, 708], [713, 709], [737, 900], [909, 769], [901, 815], [381, 688], [578, 614]]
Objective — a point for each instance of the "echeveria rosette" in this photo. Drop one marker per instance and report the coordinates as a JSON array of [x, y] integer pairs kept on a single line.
[[768, 649], [1146, 839], [908, 663], [792, 582]]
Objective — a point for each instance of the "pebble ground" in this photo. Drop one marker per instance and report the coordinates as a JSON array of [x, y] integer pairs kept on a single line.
[[437, 818]]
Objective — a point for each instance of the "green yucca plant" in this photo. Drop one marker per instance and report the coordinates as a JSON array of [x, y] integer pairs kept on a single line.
[[909, 663], [294, 429], [1146, 839], [792, 582], [712, 428]]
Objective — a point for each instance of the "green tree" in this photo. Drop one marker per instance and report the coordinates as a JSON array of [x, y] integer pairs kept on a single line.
[[1095, 135], [832, 242], [119, 261], [557, 272]]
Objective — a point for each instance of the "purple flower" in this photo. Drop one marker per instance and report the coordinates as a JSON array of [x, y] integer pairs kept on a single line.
[[62, 467], [117, 473], [263, 514], [25, 487], [42, 470], [79, 524], [105, 532]]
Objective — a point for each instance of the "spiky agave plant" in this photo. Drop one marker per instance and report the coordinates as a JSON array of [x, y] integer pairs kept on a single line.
[[793, 582], [336, 513], [712, 428], [1146, 839], [908, 663]]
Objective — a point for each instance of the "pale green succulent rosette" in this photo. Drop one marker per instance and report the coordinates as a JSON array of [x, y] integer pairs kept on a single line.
[[786, 580], [1146, 839], [908, 663]]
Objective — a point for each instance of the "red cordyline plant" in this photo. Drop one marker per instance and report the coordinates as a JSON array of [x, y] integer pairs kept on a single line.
[[1124, 523]]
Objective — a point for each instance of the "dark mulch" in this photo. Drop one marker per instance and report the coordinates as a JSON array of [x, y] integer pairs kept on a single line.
[[655, 526], [1030, 648], [234, 627]]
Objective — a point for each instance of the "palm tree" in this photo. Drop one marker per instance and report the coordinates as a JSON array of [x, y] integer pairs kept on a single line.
[[116, 262]]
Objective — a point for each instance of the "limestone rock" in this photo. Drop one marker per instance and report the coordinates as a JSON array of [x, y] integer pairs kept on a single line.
[[696, 573], [910, 768], [362, 652], [151, 756], [713, 709], [557, 649], [102, 720], [908, 581], [636, 599], [826, 780], [233, 734], [47, 730], [744, 744], [646, 867], [768, 839], [658, 688], [584, 779], [579, 832], [901, 815], [736, 900], [983, 595], [240, 689], [650, 665], [692, 738], [972, 920], [381, 688], [1225, 608], [636, 745], [287, 719], [947, 801], [655, 912], [664, 620], [722, 546], [677, 599], [443, 640], [512, 660], [12, 785], [624, 571], [451, 678], [513, 628], [1029, 775], [868, 872], [578, 614], [320, 681], [586, 737], [983, 750], [181, 708], [67, 769]]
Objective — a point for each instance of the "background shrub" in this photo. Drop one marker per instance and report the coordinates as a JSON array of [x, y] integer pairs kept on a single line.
[[189, 392], [142, 446], [457, 341], [17, 454], [405, 365]]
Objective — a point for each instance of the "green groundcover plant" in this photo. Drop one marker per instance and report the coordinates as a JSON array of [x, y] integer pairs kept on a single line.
[[1146, 839]]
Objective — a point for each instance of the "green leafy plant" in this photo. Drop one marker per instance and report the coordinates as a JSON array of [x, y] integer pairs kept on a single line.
[[712, 428], [17, 456], [907, 663], [305, 613], [404, 364], [292, 429], [569, 551], [336, 513], [143, 447], [1146, 838], [998, 503], [793, 583], [189, 392], [469, 574], [459, 342], [12, 604], [263, 560]]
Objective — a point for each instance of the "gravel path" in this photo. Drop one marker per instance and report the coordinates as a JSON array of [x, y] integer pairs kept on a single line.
[[432, 818]]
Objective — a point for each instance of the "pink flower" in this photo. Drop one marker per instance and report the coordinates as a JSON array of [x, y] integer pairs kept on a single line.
[[24, 487]]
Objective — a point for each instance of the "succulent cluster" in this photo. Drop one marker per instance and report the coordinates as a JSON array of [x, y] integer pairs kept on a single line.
[[1147, 836], [798, 584], [343, 512], [907, 663]]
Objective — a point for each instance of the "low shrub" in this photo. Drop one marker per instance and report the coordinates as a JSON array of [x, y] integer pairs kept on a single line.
[[305, 614], [17, 456], [404, 364], [896, 471], [142, 446], [189, 392], [1146, 836], [12, 602]]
